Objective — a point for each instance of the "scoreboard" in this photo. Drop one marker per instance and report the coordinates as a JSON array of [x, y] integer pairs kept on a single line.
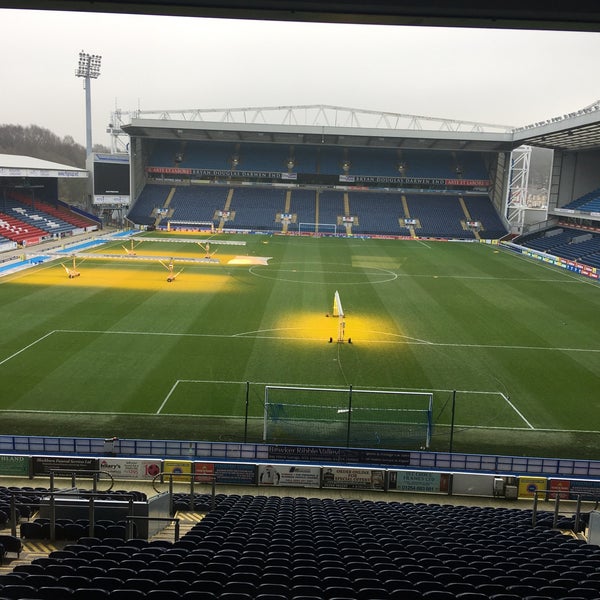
[[111, 177]]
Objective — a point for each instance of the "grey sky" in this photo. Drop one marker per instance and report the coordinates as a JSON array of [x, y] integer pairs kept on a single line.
[[509, 77]]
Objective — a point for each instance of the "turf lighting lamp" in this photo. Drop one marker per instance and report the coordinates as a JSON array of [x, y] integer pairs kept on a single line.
[[88, 68]]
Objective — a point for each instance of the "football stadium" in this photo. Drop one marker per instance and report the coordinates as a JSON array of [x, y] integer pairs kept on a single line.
[[350, 290], [331, 353]]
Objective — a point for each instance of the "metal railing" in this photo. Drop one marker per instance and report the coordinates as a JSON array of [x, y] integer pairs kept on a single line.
[[547, 497]]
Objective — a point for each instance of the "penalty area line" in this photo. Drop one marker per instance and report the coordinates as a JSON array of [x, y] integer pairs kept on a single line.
[[171, 391], [507, 400], [41, 339]]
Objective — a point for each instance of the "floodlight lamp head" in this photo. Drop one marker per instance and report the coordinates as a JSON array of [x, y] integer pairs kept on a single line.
[[89, 65]]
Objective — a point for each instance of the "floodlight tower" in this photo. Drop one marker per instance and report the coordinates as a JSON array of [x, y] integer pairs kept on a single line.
[[88, 68]]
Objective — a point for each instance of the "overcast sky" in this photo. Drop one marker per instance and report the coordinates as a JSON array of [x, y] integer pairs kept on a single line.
[[172, 63]]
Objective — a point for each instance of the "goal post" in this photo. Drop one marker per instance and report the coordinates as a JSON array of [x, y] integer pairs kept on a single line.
[[317, 228], [347, 417], [196, 225]]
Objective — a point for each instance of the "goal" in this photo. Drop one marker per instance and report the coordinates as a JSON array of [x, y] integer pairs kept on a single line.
[[347, 417], [193, 225], [317, 228]]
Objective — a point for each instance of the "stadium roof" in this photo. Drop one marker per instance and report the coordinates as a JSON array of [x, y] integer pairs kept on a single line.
[[328, 135], [578, 130], [575, 15], [349, 127], [15, 165]]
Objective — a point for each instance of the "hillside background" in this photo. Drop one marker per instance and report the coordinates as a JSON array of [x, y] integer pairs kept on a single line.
[[37, 142]]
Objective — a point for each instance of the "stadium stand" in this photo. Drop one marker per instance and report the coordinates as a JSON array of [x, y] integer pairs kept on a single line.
[[572, 244], [19, 231], [331, 206], [480, 209], [589, 202], [256, 208], [57, 211], [196, 203], [373, 161], [304, 205], [432, 209], [55, 226], [293, 548], [262, 157], [439, 216], [428, 163], [377, 213], [153, 196]]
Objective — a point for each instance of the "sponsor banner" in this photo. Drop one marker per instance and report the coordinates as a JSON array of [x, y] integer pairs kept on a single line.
[[110, 200], [468, 182], [169, 170], [131, 468], [355, 479], [338, 455], [391, 179], [51, 173], [586, 490], [177, 467], [479, 183], [17, 466], [418, 482], [559, 489], [289, 475], [528, 486], [225, 473], [44, 465], [222, 173], [112, 158]]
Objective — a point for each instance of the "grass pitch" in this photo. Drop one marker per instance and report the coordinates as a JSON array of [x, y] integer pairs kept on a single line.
[[119, 351]]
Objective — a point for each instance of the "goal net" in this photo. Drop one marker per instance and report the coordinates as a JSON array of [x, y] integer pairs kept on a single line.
[[194, 225], [347, 417], [317, 228]]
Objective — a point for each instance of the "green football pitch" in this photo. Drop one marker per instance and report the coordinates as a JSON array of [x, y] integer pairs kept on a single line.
[[508, 348]]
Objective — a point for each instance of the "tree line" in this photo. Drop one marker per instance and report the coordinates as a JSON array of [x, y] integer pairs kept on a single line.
[[38, 142]]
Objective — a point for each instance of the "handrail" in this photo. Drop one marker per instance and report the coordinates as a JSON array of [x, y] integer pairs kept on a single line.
[[74, 474], [53, 493], [132, 518], [192, 477], [557, 502]]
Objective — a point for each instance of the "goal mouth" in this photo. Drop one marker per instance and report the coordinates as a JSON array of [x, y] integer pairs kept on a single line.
[[347, 417], [318, 228]]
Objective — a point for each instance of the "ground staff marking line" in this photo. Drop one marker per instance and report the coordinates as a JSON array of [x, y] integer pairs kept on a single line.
[[517, 411], [290, 338], [26, 347], [194, 415], [167, 397]]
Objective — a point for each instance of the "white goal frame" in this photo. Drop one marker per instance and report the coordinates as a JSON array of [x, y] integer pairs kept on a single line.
[[346, 406], [317, 228], [209, 224]]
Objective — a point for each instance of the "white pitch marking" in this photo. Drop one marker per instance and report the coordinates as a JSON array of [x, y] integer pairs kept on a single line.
[[517, 411], [245, 335], [167, 397], [27, 347]]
